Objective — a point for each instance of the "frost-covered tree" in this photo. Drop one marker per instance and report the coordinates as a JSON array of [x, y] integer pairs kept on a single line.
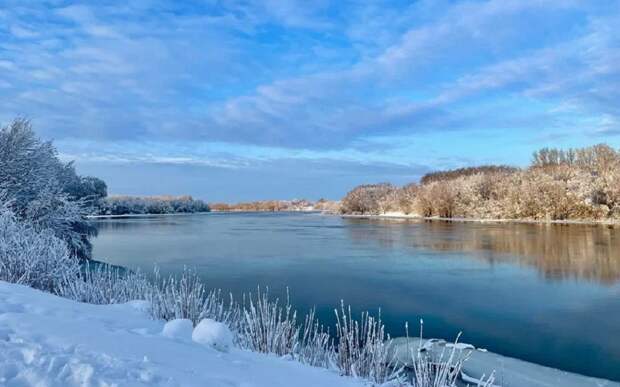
[[40, 189], [33, 257]]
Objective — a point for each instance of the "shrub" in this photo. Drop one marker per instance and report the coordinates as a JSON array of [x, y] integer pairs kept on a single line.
[[31, 257], [268, 327], [105, 284], [363, 347]]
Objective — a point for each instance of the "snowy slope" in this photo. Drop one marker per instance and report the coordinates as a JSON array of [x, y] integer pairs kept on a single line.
[[51, 341]]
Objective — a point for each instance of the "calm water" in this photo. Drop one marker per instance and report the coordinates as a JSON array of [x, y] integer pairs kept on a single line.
[[544, 293]]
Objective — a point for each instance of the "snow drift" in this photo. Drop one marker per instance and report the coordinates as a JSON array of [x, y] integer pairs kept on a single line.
[[46, 340]]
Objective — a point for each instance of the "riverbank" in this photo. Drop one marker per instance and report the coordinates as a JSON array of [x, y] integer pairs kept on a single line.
[[53, 341], [401, 215], [46, 340]]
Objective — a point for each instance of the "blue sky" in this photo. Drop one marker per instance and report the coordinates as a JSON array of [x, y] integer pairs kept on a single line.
[[244, 100]]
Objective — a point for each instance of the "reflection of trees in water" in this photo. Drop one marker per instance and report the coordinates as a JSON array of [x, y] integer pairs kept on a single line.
[[132, 223], [558, 251]]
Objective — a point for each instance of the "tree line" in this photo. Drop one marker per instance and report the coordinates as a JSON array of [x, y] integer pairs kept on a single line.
[[122, 205], [323, 205], [573, 184]]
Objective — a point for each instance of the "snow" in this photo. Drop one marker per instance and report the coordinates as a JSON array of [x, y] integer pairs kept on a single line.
[[398, 214], [214, 334], [51, 341], [180, 329]]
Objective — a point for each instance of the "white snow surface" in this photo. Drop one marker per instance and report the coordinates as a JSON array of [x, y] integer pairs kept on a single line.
[[50, 341], [214, 334], [180, 329]]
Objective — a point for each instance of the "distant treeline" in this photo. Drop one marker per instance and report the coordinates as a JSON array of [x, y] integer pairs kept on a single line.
[[574, 184], [124, 205], [278, 205]]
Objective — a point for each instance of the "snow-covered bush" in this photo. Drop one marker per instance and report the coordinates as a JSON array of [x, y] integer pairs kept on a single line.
[[31, 257], [185, 297], [316, 346], [268, 327], [99, 283], [363, 347], [214, 334]]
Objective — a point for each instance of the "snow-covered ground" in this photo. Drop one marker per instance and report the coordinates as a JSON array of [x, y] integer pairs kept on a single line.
[[50, 341]]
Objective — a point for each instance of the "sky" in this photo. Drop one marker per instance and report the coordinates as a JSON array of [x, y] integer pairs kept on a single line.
[[246, 100]]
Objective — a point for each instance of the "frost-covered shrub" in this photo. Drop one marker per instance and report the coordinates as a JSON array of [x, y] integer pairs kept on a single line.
[[363, 347], [186, 297], [105, 284], [31, 257], [267, 326], [316, 346]]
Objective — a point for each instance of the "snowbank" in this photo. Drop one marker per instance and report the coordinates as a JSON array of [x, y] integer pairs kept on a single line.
[[214, 334], [179, 329], [50, 341], [509, 372]]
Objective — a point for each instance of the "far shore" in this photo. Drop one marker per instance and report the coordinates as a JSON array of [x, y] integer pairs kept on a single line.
[[397, 215], [390, 215], [120, 216]]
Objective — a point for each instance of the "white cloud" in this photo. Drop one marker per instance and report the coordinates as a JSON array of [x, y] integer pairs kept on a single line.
[[236, 74]]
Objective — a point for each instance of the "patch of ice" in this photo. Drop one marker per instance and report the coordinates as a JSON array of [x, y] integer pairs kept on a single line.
[[460, 346]]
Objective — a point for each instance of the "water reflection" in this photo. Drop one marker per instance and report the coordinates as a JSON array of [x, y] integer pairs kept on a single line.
[[558, 251], [134, 222]]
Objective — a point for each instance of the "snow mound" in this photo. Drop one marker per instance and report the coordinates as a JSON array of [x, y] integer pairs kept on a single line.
[[180, 329], [214, 334]]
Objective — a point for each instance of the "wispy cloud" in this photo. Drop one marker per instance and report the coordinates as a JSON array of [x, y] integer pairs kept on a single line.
[[321, 79]]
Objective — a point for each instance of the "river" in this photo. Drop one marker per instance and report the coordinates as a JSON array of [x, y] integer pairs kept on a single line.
[[548, 294]]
